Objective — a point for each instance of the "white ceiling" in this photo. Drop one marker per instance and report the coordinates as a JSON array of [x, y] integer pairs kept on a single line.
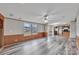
[[57, 12]]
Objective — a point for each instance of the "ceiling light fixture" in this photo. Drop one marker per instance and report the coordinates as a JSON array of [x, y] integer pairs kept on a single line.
[[46, 18], [46, 21]]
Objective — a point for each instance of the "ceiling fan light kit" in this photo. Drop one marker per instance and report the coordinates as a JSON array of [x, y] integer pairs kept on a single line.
[[46, 21]]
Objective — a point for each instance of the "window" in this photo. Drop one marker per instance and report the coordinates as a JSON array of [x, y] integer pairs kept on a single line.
[[27, 29], [34, 28], [30, 28]]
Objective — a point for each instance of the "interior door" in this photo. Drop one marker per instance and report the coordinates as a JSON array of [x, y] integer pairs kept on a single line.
[[1, 30]]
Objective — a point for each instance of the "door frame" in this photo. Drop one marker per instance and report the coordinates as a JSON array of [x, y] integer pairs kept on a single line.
[[2, 30]]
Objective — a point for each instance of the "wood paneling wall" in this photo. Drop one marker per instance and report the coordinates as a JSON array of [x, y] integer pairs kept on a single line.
[[11, 39]]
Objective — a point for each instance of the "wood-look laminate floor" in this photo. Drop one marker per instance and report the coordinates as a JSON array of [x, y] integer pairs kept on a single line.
[[45, 46]]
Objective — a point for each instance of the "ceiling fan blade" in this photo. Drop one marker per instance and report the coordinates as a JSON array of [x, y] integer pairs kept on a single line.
[[55, 12]]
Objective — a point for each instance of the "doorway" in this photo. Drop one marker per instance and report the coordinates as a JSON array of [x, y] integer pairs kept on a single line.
[[1, 29], [62, 30]]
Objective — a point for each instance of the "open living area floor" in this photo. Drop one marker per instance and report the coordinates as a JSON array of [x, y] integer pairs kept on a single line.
[[45, 46]]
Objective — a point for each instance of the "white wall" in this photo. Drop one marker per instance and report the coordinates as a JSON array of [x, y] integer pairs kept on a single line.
[[41, 28], [50, 30], [77, 25], [12, 27], [72, 29]]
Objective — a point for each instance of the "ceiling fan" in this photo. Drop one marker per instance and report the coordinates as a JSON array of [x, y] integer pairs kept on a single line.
[[46, 18]]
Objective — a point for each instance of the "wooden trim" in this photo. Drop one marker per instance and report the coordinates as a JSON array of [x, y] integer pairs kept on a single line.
[[1, 30], [77, 41], [1, 17]]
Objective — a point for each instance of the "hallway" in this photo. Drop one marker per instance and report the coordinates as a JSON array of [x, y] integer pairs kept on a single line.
[[51, 46], [39, 29]]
